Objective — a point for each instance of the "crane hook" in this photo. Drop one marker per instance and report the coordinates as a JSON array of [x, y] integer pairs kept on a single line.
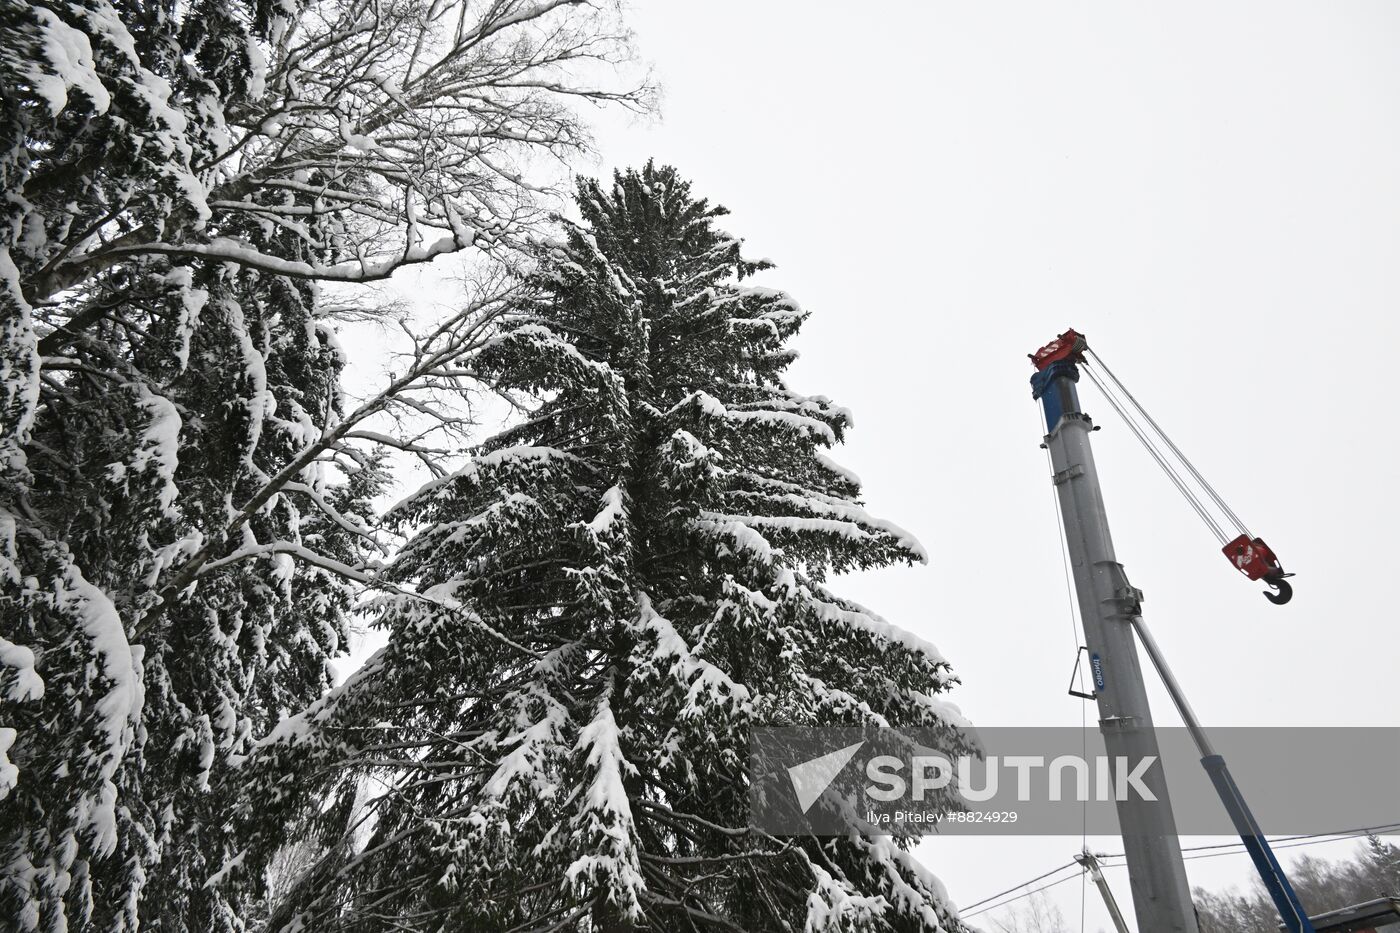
[[1283, 591], [1256, 560]]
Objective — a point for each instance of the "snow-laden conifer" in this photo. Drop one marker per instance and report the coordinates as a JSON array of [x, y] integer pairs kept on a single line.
[[600, 604], [183, 497]]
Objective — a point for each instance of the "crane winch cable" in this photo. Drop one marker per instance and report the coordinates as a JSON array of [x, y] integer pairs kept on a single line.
[[1191, 467], [1140, 433]]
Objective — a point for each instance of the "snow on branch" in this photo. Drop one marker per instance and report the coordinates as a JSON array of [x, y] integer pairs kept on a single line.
[[444, 346], [605, 820], [538, 740], [822, 513], [28, 685], [829, 609], [379, 123], [706, 686], [118, 709], [472, 469], [787, 421]]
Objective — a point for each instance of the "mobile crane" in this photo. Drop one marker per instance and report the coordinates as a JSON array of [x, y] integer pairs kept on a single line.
[[1111, 610]]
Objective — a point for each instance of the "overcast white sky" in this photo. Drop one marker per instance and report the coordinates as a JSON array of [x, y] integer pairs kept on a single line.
[[1210, 191]]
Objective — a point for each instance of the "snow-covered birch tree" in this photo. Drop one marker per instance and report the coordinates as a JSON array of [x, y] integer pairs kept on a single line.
[[183, 489], [597, 608]]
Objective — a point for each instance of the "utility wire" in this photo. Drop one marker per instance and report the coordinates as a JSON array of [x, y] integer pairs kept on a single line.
[[1282, 842], [1207, 851], [1070, 864], [964, 915]]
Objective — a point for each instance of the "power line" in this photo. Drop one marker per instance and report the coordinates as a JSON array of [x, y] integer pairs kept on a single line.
[[964, 915], [1070, 864], [1316, 838], [1206, 851]]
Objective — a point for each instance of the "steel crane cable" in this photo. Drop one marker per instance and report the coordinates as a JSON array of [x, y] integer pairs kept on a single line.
[[1205, 484], [1158, 456]]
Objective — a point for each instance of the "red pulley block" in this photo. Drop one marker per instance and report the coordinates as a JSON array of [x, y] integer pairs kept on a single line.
[[1068, 346], [1253, 558]]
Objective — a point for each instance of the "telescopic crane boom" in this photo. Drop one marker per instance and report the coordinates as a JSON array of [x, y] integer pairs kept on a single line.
[[1111, 610]]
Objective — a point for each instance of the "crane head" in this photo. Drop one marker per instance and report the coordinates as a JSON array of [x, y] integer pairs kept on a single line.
[[1068, 346]]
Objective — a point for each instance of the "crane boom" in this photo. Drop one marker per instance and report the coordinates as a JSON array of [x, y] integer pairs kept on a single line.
[[1111, 610], [1107, 602]]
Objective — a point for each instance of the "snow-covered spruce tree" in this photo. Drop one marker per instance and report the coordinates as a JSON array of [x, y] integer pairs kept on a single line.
[[175, 554], [603, 601], [125, 742], [152, 413], [124, 482]]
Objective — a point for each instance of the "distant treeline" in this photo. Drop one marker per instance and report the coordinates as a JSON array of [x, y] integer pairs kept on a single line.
[[1321, 885]]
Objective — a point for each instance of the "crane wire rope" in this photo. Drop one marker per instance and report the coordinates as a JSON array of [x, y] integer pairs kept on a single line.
[[1205, 484], [1157, 455]]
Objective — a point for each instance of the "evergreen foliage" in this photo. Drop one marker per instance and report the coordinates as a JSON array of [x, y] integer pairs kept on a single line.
[[599, 605], [185, 515]]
